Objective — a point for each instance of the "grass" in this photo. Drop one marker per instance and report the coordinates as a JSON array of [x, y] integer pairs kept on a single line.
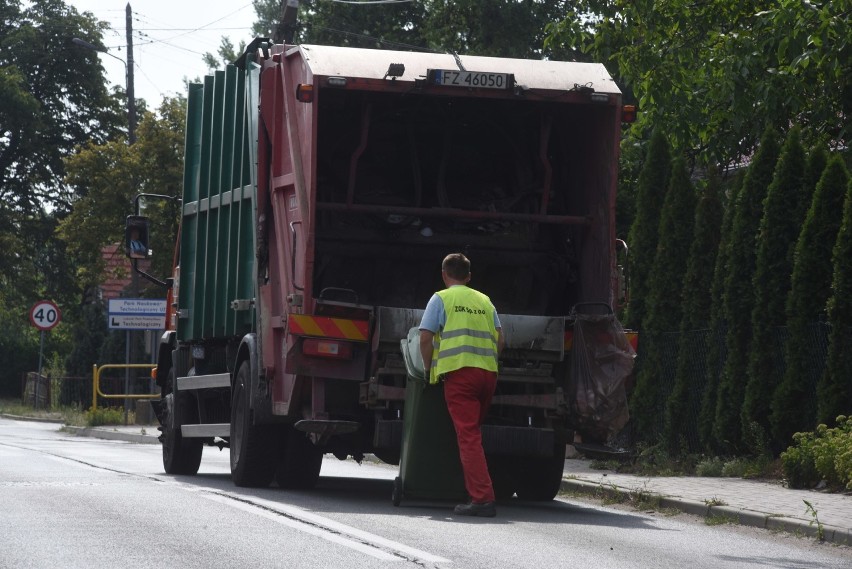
[[720, 520], [73, 416]]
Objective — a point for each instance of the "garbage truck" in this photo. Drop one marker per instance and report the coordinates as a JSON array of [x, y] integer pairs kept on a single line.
[[323, 186]]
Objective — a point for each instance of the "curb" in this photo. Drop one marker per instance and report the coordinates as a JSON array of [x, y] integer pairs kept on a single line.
[[106, 433], [751, 518]]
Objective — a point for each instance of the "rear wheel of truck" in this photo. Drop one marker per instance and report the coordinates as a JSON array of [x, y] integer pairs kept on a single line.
[[180, 455], [539, 479], [252, 446], [501, 469], [299, 462]]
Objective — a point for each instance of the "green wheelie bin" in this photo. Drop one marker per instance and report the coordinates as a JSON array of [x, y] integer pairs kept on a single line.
[[429, 468]]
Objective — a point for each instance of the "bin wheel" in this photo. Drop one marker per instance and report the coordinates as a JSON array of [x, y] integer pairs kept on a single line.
[[397, 491]]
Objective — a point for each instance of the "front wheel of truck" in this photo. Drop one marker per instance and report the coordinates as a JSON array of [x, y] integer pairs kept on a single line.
[[252, 446], [180, 455]]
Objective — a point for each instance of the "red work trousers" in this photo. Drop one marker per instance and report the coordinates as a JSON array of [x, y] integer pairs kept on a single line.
[[468, 392]]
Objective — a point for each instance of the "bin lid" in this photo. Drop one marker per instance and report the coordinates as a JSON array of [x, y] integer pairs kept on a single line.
[[410, 347]]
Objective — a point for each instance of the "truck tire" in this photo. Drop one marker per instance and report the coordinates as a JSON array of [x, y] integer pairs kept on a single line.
[[539, 479], [252, 446], [180, 456], [299, 462]]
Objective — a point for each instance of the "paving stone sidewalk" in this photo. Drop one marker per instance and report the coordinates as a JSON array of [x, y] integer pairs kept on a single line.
[[756, 503]]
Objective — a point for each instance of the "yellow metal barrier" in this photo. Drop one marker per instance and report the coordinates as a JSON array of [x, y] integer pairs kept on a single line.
[[96, 383]]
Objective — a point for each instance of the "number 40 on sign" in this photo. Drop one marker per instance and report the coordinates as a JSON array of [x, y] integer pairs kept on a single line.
[[45, 315]]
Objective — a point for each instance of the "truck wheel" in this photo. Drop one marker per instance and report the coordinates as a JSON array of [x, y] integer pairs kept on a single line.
[[502, 477], [540, 479], [299, 461], [180, 456], [252, 448]]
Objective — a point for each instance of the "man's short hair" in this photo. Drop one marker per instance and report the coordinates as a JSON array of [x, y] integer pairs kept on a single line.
[[457, 266]]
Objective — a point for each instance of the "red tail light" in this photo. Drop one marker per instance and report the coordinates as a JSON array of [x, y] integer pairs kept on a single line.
[[327, 349]]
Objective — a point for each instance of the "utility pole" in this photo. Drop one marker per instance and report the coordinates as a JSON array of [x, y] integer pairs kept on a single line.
[[131, 95], [286, 28]]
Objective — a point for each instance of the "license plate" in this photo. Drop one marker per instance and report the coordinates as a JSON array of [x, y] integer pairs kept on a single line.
[[471, 79]]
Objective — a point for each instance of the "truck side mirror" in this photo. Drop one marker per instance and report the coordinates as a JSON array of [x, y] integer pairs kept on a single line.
[[136, 237]]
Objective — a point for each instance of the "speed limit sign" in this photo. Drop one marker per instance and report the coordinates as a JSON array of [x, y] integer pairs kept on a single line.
[[44, 315]]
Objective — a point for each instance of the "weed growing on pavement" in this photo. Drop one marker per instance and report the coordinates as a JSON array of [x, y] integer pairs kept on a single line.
[[809, 509], [715, 520], [639, 498], [714, 501], [605, 465]]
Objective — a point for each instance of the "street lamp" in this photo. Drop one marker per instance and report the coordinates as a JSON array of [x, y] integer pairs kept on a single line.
[[131, 97]]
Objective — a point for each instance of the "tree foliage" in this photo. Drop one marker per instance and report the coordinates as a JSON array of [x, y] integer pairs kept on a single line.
[[715, 72], [718, 328], [502, 28], [644, 232], [685, 399], [834, 391], [109, 176], [794, 403], [783, 212], [665, 295], [53, 97], [739, 294]]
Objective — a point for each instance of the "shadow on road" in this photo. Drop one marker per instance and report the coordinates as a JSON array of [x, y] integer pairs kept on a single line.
[[353, 495]]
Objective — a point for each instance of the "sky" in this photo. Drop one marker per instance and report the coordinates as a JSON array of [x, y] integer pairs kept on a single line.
[[170, 38]]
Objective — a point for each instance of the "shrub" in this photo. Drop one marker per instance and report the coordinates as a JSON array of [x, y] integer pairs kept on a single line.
[[825, 454], [104, 416], [735, 468], [710, 467]]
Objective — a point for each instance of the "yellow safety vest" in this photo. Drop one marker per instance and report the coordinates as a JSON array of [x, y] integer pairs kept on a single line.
[[469, 338]]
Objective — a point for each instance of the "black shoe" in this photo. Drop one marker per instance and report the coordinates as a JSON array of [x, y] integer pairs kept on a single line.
[[486, 510]]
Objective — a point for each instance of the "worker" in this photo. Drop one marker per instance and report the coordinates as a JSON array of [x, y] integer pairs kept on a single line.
[[460, 341]]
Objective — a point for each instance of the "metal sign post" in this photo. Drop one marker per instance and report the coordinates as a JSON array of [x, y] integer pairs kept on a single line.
[[44, 315], [135, 314]]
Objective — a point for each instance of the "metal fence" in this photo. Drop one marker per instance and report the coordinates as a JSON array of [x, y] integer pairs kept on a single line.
[[76, 392]]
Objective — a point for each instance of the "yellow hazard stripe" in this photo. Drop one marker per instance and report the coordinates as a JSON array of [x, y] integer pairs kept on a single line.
[[324, 327]]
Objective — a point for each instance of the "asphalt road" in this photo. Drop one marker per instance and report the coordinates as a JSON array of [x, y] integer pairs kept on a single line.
[[73, 502]]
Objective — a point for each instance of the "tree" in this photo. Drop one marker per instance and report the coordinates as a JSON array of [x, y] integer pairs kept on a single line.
[[718, 326], [794, 401], [783, 212], [834, 391], [685, 400], [110, 175], [739, 294], [53, 97], [665, 297], [715, 72], [643, 236], [385, 26], [501, 28], [498, 28]]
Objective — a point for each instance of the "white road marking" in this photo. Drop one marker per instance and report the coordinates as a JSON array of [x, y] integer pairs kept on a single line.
[[325, 528]]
